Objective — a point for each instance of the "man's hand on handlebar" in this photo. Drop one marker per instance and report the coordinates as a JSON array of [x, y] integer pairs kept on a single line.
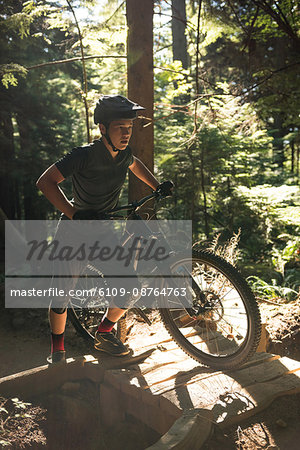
[[165, 189]]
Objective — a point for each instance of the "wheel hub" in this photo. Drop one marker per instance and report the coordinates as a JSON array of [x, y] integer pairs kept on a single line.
[[210, 306]]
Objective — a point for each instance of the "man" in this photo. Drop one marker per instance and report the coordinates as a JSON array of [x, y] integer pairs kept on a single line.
[[98, 173]]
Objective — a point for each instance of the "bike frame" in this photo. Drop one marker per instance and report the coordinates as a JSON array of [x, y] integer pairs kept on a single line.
[[132, 208]]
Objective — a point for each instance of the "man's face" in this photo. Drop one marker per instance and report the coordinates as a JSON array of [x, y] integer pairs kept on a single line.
[[120, 132]]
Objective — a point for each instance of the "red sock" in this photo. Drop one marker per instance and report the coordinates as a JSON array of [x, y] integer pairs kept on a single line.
[[106, 326], [57, 342]]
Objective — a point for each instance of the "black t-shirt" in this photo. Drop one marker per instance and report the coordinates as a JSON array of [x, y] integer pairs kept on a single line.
[[97, 177]]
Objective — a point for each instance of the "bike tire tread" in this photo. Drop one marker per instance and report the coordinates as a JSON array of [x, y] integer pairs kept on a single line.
[[235, 360]]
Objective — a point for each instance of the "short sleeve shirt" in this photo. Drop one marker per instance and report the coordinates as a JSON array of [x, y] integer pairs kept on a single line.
[[97, 177]]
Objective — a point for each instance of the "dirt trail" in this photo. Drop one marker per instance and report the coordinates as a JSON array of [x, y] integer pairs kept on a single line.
[[24, 344], [25, 341]]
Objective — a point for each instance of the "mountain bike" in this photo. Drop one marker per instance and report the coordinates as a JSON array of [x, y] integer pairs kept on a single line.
[[220, 327]]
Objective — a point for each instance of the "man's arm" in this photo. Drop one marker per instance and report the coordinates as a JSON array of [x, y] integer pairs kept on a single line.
[[48, 184], [144, 174]]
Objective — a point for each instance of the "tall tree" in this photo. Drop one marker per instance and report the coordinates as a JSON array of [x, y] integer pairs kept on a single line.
[[36, 121], [179, 42], [7, 157], [140, 83]]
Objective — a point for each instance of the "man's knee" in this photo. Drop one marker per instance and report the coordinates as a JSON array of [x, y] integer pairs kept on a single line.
[[58, 310]]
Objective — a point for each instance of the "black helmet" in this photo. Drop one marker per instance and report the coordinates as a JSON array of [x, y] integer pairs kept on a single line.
[[114, 107]]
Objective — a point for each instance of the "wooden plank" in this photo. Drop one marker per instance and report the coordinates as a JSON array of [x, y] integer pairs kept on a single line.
[[188, 432], [266, 371], [190, 385], [261, 396]]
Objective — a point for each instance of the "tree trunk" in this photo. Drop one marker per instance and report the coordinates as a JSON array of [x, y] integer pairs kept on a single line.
[[179, 44], [278, 134], [27, 182], [292, 144], [140, 85], [7, 161], [202, 162]]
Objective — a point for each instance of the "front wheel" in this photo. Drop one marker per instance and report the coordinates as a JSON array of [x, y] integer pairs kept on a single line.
[[222, 328]]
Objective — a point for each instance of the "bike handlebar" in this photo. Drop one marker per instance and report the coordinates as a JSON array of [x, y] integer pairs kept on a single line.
[[133, 206]]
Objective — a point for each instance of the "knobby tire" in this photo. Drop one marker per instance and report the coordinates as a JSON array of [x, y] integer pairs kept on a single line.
[[221, 343]]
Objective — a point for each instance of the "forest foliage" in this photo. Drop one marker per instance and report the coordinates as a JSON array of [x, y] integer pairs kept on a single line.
[[226, 117]]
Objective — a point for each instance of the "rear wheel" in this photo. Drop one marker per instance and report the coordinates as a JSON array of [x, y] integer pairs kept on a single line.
[[222, 328], [88, 307]]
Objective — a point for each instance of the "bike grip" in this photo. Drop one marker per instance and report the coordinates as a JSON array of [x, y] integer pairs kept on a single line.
[[165, 188]]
